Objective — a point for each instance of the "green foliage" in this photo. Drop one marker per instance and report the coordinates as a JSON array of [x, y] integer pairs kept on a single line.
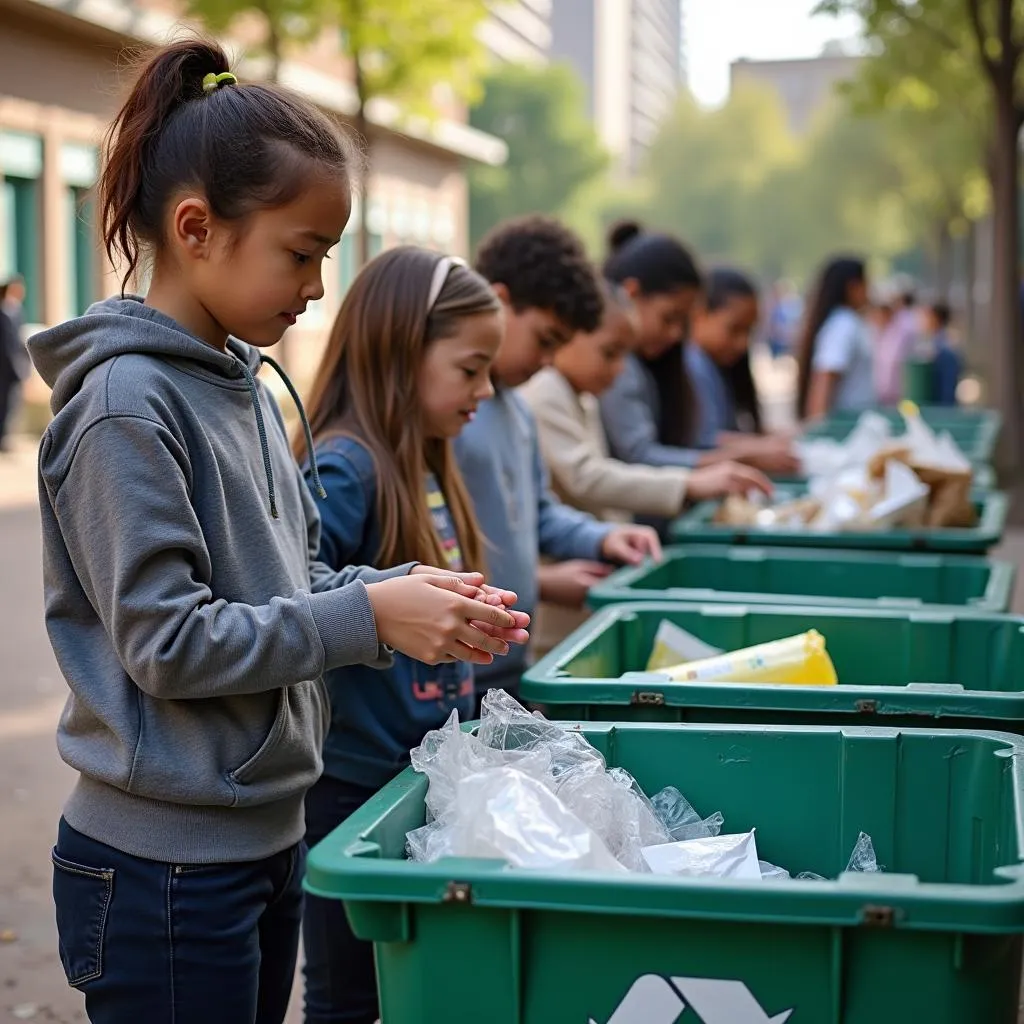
[[554, 152], [406, 49]]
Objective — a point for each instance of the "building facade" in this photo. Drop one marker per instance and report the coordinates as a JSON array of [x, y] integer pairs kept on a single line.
[[629, 54], [518, 31], [61, 81], [805, 86]]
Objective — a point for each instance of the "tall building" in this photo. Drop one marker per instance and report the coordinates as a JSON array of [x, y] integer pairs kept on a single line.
[[60, 84], [805, 86], [629, 54], [518, 31]]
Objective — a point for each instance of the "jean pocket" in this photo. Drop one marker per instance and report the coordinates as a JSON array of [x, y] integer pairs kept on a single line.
[[82, 897]]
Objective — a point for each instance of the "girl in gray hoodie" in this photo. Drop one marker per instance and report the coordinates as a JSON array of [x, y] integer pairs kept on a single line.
[[183, 599]]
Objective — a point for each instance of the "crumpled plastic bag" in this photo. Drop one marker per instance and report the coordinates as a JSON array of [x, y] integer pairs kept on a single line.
[[603, 812], [716, 856], [772, 872], [680, 819], [505, 813], [863, 856]]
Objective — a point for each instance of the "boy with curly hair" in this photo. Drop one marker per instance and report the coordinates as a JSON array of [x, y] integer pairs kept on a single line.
[[549, 291]]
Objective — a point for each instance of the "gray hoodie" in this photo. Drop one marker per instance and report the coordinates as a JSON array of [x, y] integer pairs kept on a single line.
[[183, 602]]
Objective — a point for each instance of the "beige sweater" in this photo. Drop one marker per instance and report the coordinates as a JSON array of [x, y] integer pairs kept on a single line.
[[575, 450], [583, 474]]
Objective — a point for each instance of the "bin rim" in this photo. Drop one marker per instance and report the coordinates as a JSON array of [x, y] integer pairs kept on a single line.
[[546, 682], [993, 507], [617, 588], [347, 865]]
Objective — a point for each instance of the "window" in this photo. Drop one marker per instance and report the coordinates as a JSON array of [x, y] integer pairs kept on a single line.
[[348, 256], [80, 213], [21, 163], [78, 166]]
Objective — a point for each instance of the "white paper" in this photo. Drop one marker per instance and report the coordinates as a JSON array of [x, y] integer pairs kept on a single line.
[[673, 645], [733, 856]]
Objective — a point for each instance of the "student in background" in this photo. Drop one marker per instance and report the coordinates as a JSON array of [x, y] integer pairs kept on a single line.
[[948, 364], [563, 399], [836, 365], [893, 347], [717, 360], [405, 368], [549, 291], [651, 413]]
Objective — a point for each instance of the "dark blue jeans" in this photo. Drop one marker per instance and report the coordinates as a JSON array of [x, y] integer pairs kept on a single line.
[[177, 943], [341, 982]]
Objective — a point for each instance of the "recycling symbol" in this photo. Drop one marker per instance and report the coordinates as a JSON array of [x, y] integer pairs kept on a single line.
[[653, 999]]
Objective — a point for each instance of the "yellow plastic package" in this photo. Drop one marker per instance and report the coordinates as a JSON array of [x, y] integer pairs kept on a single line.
[[798, 660]]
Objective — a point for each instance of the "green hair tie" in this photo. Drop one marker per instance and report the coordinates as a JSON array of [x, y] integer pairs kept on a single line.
[[212, 82]]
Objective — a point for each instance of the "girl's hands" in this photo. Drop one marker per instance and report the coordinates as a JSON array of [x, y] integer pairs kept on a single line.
[[443, 618], [630, 545], [724, 478]]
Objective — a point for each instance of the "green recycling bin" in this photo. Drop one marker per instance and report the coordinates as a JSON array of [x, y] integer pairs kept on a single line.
[[897, 668], [698, 526], [936, 937], [806, 576]]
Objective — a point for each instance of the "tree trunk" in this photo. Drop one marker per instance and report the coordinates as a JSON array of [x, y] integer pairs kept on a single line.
[[1006, 294], [943, 261], [970, 281]]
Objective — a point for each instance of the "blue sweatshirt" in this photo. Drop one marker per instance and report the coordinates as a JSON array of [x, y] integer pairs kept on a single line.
[[378, 716], [499, 456], [183, 600]]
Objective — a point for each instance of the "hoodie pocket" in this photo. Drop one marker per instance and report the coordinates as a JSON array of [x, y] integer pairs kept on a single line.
[[289, 760]]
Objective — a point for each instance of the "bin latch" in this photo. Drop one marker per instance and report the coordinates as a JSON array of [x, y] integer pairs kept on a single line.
[[458, 892], [874, 916], [867, 707], [647, 697]]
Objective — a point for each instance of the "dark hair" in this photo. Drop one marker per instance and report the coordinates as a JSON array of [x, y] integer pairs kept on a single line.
[[367, 386], [942, 313], [830, 294], [739, 379], [544, 266], [723, 284], [659, 264], [243, 146]]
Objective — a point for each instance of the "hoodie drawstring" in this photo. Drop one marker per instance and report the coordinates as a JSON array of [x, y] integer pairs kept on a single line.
[[261, 429], [313, 467], [254, 394]]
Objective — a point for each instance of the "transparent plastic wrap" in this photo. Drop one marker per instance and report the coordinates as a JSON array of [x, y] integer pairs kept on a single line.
[[505, 813], [863, 856], [680, 819]]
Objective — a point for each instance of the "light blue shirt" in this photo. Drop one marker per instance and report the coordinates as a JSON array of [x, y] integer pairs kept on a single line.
[[843, 347], [717, 411], [499, 455]]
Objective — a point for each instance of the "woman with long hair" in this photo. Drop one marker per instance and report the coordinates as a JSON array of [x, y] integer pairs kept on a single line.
[[836, 366]]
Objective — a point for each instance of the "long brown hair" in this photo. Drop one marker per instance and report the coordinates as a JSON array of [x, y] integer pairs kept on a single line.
[[830, 293], [367, 387]]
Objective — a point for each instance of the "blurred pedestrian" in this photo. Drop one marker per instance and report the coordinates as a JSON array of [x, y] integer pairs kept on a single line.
[[947, 362], [14, 360], [835, 359]]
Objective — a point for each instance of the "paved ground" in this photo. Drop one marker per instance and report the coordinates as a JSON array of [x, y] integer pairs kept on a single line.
[[33, 780]]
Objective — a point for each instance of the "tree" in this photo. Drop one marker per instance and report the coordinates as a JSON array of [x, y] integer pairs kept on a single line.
[[553, 150], [925, 42], [415, 53], [284, 21]]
